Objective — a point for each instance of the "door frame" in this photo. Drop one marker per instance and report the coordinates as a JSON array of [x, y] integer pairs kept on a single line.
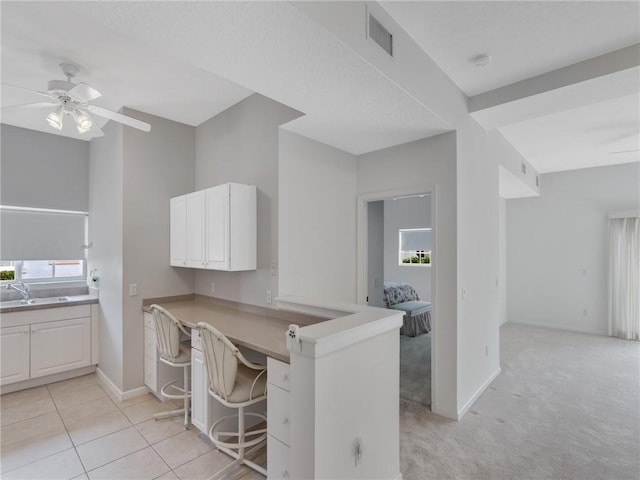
[[362, 267]]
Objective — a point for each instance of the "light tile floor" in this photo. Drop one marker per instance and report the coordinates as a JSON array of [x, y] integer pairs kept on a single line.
[[75, 430]]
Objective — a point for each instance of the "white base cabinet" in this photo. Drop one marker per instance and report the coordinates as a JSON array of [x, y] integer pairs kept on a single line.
[[14, 345], [204, 409], [278, 408], [38, 343], [60, 346]]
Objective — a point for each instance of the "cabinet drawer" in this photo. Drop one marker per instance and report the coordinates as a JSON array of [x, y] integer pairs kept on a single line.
[[195, 339], [14, 319], [150, 349], [278, 373], [277, 459], [278, 413], [150, 377]]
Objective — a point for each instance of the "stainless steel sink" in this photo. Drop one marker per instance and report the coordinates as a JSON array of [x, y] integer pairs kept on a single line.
[[35, 301]]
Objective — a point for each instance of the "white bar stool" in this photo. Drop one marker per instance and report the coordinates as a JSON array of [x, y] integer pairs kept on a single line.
[[175, 354], [236, 383]]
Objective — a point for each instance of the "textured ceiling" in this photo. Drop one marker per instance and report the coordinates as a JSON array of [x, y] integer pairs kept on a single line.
[[188, 61], [524, 38], [127, 72]]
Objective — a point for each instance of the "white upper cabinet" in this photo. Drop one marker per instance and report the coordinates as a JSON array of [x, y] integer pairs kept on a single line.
[[178, 240], [215, 228]]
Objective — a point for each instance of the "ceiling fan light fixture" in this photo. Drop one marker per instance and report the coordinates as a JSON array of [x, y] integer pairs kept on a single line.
[[54, 119], [83, 122]]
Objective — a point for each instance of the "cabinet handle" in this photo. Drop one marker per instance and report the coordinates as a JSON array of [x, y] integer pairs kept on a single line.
[[285, 377], [285, 421], [285, 474]]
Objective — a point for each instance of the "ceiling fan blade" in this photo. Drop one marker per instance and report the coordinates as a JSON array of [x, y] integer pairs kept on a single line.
[[37, 92], [625, 151], [118, 117], [29, 106], [84, 92]]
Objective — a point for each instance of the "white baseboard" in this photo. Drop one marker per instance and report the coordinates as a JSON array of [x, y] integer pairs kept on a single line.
[[56, 377], [561, 327], [479, 392], [113, 388]]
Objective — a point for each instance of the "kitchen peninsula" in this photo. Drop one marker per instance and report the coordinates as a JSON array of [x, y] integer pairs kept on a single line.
[[336, 379]]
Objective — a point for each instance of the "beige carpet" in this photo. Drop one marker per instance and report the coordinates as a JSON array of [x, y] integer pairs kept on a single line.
[[566, 406]]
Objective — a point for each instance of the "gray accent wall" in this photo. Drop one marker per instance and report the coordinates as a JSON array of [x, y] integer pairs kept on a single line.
[[240, 145], [133, 176], [43, 170], [157, 166]]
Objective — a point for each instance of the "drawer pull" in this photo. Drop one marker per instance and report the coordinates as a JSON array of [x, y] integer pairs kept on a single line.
[[285, 474], [285, 377], [285, 421]]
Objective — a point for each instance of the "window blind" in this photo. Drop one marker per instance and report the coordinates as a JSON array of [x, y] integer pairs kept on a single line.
[[27, 234]]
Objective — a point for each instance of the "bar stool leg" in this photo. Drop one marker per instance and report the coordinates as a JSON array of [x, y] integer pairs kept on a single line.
[[186, 398]]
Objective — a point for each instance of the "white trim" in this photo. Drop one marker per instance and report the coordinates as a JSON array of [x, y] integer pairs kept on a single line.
[[119, 394], [560, 327], [41, 210], [479, 392]]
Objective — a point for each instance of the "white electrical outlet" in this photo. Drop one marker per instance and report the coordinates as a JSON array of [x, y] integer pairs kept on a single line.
[[133, 290], [212, 287], [269, 297]]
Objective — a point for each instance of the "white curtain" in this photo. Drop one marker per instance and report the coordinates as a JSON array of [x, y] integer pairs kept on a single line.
[[624, 277]]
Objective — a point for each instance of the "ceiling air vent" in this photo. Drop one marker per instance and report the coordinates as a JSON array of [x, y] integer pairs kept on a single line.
[[380, 35]]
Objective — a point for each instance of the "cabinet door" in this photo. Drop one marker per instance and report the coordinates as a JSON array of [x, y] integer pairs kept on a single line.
[[218, 227], [178, 231], [198, 391], [14, 349], [195, 229], [60, 346]]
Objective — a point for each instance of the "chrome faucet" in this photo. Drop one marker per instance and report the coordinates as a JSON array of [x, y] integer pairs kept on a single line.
[[21, 288]]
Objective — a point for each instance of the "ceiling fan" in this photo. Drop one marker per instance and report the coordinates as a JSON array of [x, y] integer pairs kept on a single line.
[[72, 100]]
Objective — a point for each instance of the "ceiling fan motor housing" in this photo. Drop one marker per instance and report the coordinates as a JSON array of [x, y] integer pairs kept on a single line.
[[55, 87]]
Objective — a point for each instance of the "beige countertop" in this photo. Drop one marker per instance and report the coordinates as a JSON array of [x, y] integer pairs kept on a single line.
[[49, 302], [257, 328]]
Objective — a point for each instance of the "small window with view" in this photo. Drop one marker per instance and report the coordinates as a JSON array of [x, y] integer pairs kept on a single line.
[[415, 247]]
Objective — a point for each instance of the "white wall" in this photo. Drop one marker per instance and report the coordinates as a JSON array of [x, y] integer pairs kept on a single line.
[[412, 212], [317, 247], [433, 165], [157, 166], [556, 247], [106, 234], [375, 253], [241, 145], [43, 170], [477, 219], [502, 275]]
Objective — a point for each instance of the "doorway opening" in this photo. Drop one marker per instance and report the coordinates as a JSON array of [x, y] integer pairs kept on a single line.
[[398, 257]]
